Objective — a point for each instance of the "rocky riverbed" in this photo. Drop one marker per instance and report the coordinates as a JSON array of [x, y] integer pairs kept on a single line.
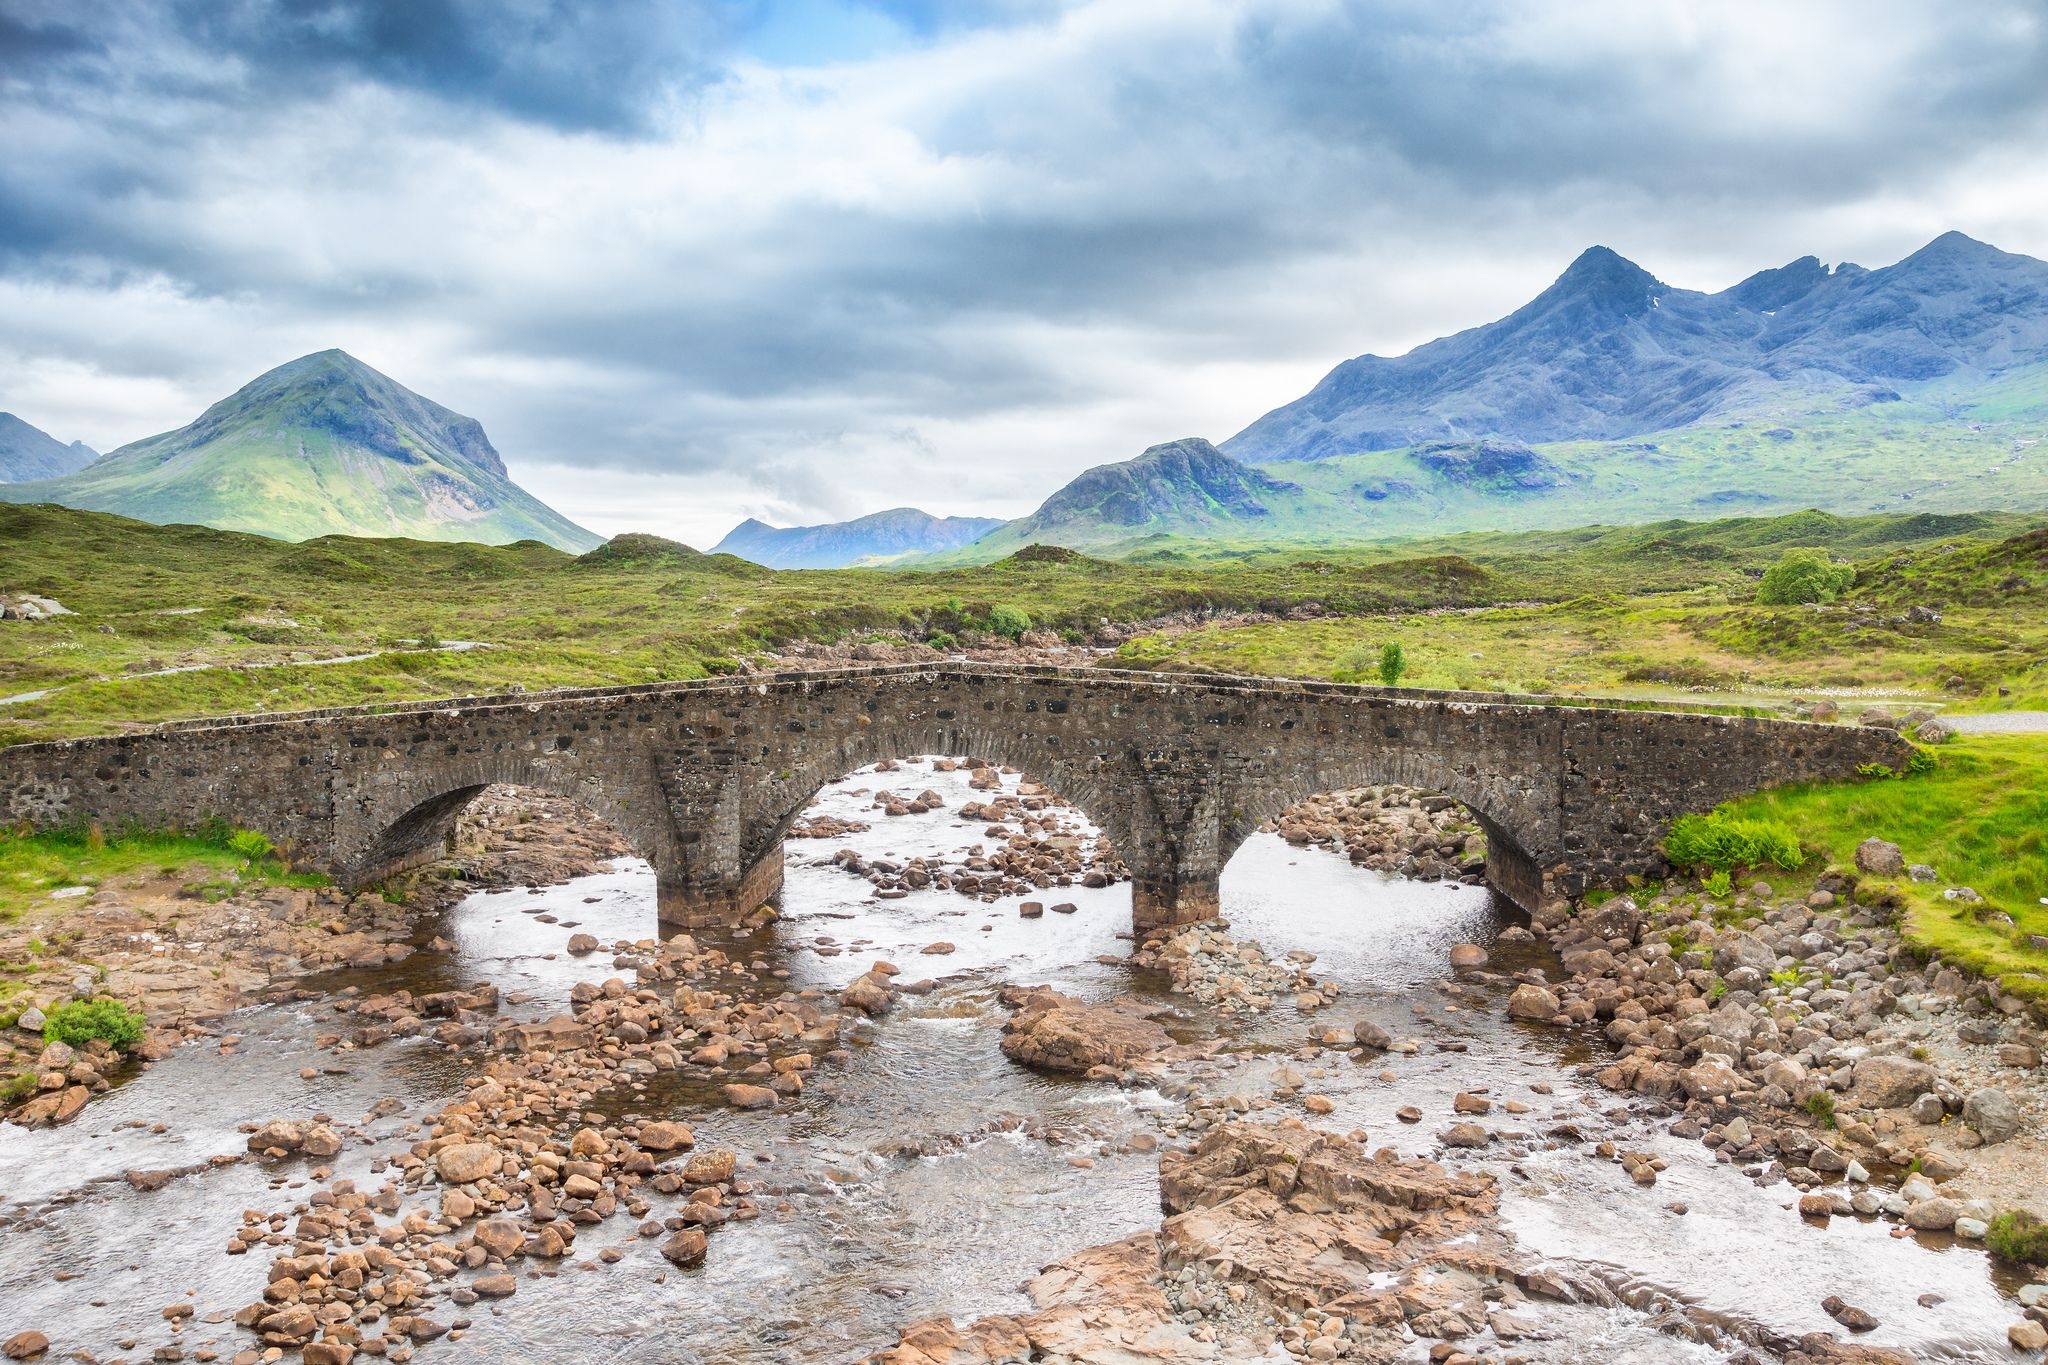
[[1341, 1126]]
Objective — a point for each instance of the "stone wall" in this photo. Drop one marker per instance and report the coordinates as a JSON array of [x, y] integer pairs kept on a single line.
[[704, 778]]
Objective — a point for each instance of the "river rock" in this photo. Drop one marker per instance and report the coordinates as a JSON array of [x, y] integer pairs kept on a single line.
[[1468, 955], [1880, 858], [329, 1352], [1848, 1314], [710, 1168], [581, 944], [1531, 1001], [493, 1287], [1711, 1078], [26, 1345], [321, 1141], [279, 1135], [1992, 1113], [1059, 1033], [466, 1161], [869, 994], [1889, 1082], [1938, 1214], [686, 1247], [663, 1136], [499, 1237], [749, 1096], [2027, 1335]]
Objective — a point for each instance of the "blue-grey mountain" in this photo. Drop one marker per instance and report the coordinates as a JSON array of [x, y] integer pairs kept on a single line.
[[1610, 351], [28, 452], [879, 536]]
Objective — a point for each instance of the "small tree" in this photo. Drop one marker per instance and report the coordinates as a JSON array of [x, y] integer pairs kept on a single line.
[[1393, 662], [1804, 576]]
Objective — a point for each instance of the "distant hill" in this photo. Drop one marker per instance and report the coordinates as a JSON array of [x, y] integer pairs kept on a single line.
[[322, 446], [1609, 351], [835, 545], [1615, 398], [1185, 488], [27, 452]]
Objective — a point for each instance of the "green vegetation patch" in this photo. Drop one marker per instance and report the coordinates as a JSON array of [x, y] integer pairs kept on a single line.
[[1978, 816], [1724, 841], [79, 1022], [37, 866]]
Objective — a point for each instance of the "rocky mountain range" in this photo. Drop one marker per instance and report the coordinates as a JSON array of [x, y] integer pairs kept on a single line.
[[1609, 351], [1614, 397], [324, 445]]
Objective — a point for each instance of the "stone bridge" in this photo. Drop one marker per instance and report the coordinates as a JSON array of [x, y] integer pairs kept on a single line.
[[705, 777]]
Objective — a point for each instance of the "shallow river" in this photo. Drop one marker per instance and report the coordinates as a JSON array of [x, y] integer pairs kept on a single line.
[[910, 1196]]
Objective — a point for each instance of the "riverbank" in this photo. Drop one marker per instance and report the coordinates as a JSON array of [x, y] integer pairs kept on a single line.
[[185, 940]]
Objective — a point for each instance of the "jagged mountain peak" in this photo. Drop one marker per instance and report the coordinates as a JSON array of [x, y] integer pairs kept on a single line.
[[1609, 352]]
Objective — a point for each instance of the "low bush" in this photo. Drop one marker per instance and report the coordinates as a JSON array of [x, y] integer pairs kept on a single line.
[[1802, 576], [1008, 621], [2019, 1236], [1724, 841], [81, 1021]]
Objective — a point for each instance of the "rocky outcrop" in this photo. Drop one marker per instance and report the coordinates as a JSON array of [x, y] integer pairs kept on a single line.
[[1056, 1032]]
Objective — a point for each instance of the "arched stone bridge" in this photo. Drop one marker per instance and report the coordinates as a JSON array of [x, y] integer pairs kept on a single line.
[[705, 777]]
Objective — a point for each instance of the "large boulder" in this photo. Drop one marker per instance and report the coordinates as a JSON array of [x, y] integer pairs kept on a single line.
[[463, 1162], [1734, 951], [1889, 1082], [1880, 858], [1992, 1113], [278, 1135], [1531, 1001]]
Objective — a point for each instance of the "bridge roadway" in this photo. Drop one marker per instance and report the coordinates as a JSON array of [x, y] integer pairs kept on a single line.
[[704, 778]]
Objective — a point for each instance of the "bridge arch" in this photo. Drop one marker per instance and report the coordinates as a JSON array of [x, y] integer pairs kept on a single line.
[[1515, 814], [408, 820]]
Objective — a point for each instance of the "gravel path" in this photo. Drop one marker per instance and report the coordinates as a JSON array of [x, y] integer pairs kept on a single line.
[[2000, 723]]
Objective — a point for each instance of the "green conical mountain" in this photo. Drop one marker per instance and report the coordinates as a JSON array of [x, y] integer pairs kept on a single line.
[[322, 446]]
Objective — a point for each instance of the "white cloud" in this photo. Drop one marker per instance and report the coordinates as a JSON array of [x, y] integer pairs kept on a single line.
[[958, 272]]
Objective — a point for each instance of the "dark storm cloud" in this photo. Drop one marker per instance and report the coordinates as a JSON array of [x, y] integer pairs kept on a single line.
[[607, 67], [572, 65]]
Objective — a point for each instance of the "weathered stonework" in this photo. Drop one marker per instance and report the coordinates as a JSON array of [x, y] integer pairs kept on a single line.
[[704, 778]]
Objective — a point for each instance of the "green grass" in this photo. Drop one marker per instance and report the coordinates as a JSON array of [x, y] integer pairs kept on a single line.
[[1979, 818], [1534, 612], [32, 865]]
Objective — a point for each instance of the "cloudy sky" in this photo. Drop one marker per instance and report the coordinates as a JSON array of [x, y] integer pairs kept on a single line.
[[803, 259]]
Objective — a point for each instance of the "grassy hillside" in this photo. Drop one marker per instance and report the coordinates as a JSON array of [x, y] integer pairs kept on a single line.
[[1690, 626], [248, 621], [1980, 819], [320, 446]]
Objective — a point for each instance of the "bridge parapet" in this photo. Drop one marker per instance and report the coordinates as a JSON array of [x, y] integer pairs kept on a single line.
[[703, 778]]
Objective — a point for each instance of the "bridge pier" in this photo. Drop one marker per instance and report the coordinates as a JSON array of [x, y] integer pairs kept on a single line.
[[1159, 903], [705, 899]]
